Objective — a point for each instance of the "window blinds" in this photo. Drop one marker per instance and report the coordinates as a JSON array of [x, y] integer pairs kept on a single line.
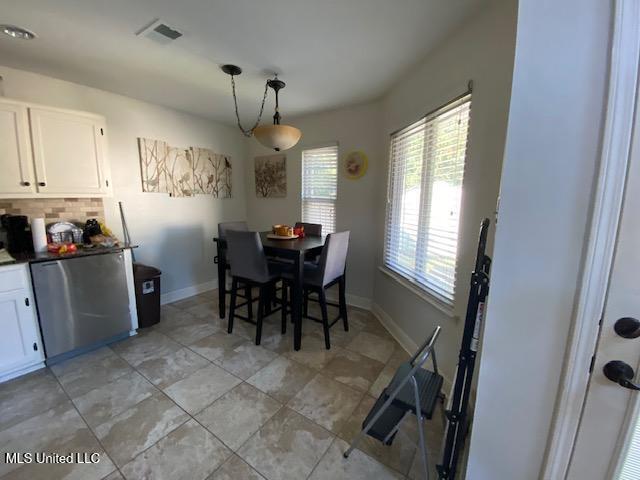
[[631, 464], [423, 201], [320, 187]]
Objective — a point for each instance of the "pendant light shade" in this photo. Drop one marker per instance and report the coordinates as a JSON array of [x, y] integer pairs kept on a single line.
[[278, 137]]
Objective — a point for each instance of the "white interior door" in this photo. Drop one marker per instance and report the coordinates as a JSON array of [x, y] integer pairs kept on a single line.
[[608, 441]]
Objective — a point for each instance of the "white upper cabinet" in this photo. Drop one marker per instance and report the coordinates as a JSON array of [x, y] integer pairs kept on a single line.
[[68, 152], [50, 152], [16, 165]]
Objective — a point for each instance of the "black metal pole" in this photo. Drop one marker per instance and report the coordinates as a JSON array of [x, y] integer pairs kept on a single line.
[[457, 414]]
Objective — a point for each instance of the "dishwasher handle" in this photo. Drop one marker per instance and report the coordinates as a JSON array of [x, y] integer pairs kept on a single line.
[[50, 264]]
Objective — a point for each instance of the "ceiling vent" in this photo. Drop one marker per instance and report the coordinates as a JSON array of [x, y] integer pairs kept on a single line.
[[159, 32]]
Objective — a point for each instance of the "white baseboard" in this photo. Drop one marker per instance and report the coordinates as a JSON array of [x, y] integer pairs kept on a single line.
[[360, 302], [396, 332], [353, 300], [21, 371], [176, 295], [403, 339]]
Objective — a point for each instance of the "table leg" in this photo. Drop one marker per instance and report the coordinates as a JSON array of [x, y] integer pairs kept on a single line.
[[222, 281], [296, 311]]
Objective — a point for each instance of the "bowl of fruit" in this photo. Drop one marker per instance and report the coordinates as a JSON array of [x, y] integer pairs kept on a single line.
[[62, 248]]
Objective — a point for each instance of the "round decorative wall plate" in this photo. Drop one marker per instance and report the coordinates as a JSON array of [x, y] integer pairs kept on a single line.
[[355, 164]]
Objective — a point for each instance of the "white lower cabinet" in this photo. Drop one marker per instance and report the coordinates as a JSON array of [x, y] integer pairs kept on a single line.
[[20, 344]]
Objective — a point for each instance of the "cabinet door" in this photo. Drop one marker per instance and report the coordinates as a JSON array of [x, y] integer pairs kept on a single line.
[[15, 150], [19, 342], [68, 150]]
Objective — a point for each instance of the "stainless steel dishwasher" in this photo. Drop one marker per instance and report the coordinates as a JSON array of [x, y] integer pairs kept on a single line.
[[81, 301]]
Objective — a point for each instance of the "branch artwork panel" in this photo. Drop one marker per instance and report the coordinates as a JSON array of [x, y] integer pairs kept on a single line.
[[183, 172], [271, 176]]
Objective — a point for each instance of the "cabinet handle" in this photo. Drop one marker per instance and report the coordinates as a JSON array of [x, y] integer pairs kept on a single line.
[[42, 184], [26, 184], [35, 347], [26, 302]]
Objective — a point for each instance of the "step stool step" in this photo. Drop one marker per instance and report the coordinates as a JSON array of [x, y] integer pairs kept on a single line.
[[429, 387], [387, 422]]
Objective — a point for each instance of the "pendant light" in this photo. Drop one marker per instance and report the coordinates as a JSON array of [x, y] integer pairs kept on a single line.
[[278, 137]]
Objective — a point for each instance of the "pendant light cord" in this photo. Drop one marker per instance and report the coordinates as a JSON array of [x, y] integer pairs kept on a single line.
[[249, 132]]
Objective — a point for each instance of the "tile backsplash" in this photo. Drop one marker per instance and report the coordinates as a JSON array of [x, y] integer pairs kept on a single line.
[[55, 209]]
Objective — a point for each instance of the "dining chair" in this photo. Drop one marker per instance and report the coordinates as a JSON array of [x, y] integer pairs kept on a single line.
[[223, 229], [249, 266], [329, 270], [313, 229], [310, 228]]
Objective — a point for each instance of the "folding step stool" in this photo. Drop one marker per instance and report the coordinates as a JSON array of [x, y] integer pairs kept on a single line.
[[411, 386]]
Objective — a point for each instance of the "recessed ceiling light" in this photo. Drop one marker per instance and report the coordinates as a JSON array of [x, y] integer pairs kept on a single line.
[[17, 32]]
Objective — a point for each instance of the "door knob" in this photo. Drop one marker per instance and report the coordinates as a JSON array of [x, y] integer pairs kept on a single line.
[[627, 327], [621, 373]]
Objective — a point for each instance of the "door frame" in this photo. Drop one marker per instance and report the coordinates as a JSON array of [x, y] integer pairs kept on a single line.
[[602, 232]]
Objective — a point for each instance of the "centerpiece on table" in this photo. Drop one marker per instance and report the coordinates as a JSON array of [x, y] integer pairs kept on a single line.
[[285, 232]]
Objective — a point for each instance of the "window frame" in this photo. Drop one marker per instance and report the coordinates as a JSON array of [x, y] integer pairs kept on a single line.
[[409, 281], [333, 201]]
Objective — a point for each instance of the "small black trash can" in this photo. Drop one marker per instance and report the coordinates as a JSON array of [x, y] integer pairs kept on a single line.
[[147, 281]]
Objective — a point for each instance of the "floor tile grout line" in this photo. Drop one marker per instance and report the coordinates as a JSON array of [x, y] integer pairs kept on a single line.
[[88, 426], [321, 457], [320, 371], [263, 425], [189, 417], [95, 388], [256, 432], [335, 440], [193, 417], [154, 443], [317, 372], [197, 370], [42, 370]]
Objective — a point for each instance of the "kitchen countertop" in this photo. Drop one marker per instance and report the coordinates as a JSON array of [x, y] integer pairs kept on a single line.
[[47, 256]]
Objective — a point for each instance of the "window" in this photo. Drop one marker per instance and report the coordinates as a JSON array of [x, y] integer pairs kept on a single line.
[[320, 187], [423, 201]]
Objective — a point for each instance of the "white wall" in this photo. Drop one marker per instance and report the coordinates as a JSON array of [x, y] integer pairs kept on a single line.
[[174, 234], [480, 50], [552, 150], [353, 128]]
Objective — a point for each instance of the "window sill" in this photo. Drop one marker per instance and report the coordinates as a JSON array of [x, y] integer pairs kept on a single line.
[[420, 293]]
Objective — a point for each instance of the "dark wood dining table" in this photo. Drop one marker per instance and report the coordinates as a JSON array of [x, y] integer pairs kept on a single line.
[[295, 250]]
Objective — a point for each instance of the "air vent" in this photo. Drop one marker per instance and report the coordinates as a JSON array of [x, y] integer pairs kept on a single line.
[[159, 32]]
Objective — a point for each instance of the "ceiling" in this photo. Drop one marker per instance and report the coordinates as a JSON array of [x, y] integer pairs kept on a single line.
[[331, 53]]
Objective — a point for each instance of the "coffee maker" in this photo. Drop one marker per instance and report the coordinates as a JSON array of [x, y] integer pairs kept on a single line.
[[18, 233]]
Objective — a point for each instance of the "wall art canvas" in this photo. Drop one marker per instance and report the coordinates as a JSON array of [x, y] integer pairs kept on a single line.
[[355, 164], [211, 172], [183, 172], [271, 176]]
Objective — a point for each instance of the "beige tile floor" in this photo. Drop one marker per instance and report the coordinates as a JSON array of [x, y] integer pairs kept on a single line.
[[186, 400]]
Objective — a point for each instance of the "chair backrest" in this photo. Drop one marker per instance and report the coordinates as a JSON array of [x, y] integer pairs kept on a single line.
[[334, 256], [314, 229], [224, 227], [246, 255]]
